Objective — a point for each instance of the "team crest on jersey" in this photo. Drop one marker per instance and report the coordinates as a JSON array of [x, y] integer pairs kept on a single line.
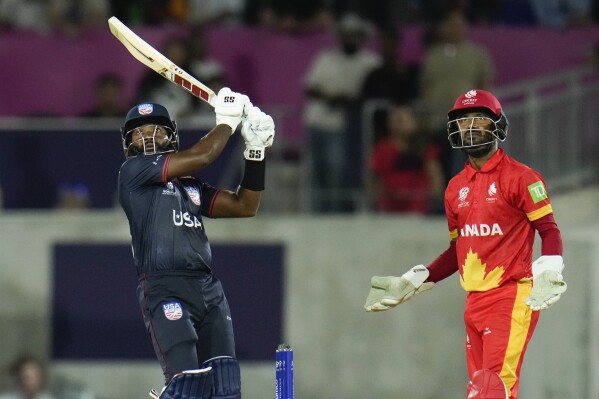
[[145, 109], [172, 310], [462, 197], [194, 194], [492, 193]]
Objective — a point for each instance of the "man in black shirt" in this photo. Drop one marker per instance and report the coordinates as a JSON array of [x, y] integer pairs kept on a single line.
[[183, 304]]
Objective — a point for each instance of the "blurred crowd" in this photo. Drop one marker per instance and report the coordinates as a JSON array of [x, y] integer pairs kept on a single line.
[[410, 160], [406, 163], [71, 16], [26, 377]]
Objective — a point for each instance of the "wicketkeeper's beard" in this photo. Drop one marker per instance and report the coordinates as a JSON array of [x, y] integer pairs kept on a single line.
[[479, 151]]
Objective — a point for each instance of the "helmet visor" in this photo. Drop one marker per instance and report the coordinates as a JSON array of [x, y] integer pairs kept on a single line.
[[149, 140], [472, 131]]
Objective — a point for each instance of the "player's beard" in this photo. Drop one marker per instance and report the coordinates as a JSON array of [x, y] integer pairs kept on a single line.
[[479, 151]]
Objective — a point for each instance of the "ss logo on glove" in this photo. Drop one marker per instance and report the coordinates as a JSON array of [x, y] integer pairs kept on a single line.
[[255, 154], [229, 99]]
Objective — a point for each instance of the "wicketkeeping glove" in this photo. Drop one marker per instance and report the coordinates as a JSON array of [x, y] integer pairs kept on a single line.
[[229, 108], [548, 284], [387, 292], [258, 132]]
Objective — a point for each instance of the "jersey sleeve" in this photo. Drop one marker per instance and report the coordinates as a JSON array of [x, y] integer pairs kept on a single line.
[[143, 170], [452, 217], [209, 195], [530, 195]]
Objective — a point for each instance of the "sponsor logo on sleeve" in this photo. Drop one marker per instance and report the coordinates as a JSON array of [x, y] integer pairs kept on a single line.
[[537, 192]]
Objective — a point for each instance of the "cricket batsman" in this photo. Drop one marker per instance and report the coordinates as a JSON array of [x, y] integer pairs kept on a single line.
[[493, 206], [183, 303]]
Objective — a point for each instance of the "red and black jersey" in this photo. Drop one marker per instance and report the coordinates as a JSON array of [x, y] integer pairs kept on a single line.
[[490, 212]]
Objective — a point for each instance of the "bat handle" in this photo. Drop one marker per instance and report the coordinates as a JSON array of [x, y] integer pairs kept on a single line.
[[212, 100]]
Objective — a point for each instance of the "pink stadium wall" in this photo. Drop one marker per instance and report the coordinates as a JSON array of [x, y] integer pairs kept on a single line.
[[55, 75]]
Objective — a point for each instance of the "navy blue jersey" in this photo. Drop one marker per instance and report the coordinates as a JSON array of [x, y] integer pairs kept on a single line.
[[165, 217]]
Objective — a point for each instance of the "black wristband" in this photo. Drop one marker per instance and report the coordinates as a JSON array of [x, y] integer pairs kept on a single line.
[[253, 176]]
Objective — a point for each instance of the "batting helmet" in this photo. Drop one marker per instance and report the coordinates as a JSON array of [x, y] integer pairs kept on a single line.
[[480, 101], [149, 114]]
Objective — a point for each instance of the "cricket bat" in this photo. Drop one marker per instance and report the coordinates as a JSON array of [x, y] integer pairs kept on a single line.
[[152, 58]]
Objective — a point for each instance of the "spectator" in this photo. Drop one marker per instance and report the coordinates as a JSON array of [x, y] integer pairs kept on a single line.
[[407, 174], [24, 15], [451, 54], [73, 16], [154, 88], [109, 88], [29, 375], [394, 80], [333, 85]]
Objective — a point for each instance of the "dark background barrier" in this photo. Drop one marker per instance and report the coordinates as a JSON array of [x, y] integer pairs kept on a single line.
[[36, 165], [95, 315]]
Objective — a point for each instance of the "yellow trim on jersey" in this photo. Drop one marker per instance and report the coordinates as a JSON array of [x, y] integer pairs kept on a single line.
[[521, 317], [454, 234], [539, 213]]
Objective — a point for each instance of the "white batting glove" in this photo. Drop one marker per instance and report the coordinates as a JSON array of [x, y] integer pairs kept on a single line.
[[548, 284], [388, 292], [229, 108], [258, 132]]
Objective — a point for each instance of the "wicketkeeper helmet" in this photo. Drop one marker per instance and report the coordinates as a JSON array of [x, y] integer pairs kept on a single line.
[[476, 101]]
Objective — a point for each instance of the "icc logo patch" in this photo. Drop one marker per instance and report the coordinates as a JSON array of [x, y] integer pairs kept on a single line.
[[172, 310], [145, 109]]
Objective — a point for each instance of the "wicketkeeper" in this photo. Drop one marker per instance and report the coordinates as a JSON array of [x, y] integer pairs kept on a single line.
[[183, 304], [493, 206]]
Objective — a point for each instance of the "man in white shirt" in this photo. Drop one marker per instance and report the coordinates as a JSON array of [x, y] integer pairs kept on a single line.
[[333, 85]]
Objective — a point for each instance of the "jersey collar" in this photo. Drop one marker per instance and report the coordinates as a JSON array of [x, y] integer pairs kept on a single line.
[[488, 166]]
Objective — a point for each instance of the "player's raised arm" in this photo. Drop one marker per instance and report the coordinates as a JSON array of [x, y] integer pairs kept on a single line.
[[229, 110], [258, 131]]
